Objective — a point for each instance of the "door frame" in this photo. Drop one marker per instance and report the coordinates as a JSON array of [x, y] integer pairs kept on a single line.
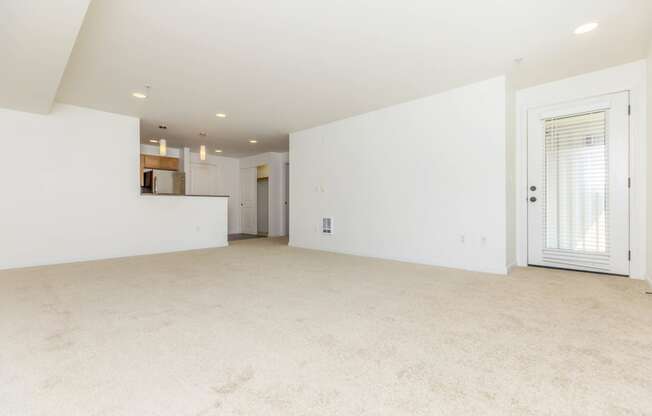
[[613, 103], [629, 77], [260, 205]]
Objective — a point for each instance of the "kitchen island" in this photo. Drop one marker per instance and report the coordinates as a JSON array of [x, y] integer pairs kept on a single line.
[[190, 221]]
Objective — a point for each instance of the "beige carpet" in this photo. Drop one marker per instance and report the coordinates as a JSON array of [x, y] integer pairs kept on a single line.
[[263, 329]]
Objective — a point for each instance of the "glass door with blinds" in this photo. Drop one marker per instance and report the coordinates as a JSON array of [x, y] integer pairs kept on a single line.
[[578, 185]]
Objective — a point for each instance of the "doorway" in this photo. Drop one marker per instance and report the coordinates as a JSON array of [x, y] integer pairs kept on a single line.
[[263, 206], [578, 185]]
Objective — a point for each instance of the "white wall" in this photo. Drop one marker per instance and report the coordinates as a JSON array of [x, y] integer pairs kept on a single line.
[[510, 180], [227, 170], [275, 162], [630, 77], [74, 193], [649, 167], [423, 181]]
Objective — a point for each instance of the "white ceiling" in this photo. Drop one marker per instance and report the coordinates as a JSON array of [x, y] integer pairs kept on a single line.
[[275, 67], [36, 38]]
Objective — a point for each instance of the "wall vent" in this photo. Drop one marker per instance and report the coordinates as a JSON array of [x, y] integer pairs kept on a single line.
[[327, 225]]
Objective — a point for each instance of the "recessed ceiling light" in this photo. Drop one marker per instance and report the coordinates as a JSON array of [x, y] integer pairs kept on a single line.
[[153, 141], [139, 95], [202, 133], [163, 127], [253, 141], [220, 115], [218, 150], [586, 28]]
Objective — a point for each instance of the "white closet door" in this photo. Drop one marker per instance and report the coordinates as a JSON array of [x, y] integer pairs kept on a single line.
[[248, 189], [578, 192]]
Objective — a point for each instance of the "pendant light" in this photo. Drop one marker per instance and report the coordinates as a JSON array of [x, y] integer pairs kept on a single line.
[[162, 147]]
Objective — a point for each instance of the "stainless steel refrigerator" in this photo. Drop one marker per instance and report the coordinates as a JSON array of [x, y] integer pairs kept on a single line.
[[168, 182]]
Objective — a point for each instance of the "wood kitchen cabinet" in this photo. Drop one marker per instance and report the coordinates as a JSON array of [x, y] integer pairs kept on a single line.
[[159, 162]]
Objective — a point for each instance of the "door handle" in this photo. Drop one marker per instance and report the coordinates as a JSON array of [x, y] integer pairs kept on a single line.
[[533, 199]]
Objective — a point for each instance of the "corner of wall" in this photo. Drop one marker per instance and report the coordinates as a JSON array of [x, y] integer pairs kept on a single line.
[[649, 166]]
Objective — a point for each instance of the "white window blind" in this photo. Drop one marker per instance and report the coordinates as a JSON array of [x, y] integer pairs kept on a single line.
[[576, 176]]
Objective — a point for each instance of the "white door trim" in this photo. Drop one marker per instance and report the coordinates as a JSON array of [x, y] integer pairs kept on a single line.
[[630, 77]]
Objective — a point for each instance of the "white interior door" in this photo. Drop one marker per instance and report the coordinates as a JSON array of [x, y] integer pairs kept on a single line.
[[286, 199], [578, 185], [248, 189]]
